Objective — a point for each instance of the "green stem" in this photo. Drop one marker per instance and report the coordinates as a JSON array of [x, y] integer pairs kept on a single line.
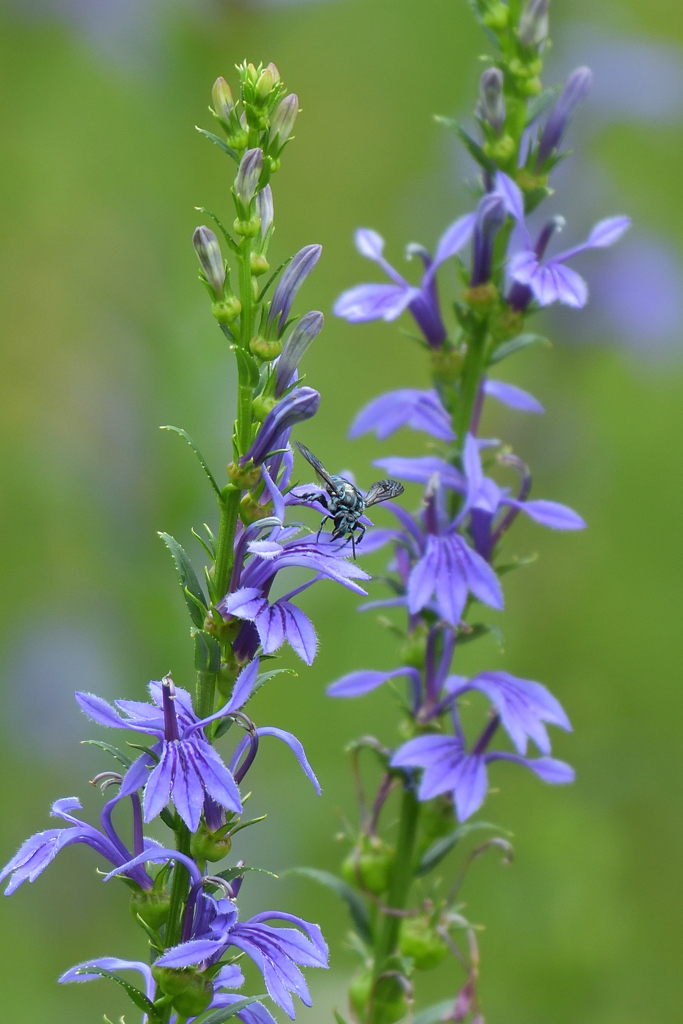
[[179, 888], [401, 880], [229, 512], [246, 294], [472, 373], [206, 694]]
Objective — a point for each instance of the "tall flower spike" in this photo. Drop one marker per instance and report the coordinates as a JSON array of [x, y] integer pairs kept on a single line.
[[575, 91], [293, 277]]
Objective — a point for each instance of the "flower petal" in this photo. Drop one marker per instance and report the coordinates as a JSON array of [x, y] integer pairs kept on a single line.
[[295, 745], [513, 396]]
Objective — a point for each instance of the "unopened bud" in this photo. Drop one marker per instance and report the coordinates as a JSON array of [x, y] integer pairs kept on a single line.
[[210, 257], [284, 116], [152, 907], [491, 215], [223, 102], [575, 90], [262, 406], [227, 311], [292, 278], [274, 72], [264, 208], [208, 845], [533, 24], [264, 86], [192, 992], [308, 328], [259, 264], [369, 865], [491, 105], [247, 228], [496, 16], [419, 939], [248, 175]]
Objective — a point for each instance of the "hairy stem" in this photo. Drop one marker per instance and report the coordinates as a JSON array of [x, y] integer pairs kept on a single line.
[[179, 888]]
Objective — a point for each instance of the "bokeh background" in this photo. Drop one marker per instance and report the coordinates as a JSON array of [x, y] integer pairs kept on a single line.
[[106, 335]]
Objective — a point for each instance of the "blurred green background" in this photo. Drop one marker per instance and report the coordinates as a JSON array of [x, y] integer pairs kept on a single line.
[[106, 335]]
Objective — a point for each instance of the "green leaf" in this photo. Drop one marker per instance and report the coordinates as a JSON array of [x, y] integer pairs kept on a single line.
[[134, 994], [220, 143], [223, 230], [231, 873], [188, 580], [433, 1014], [263, 677], [438, 850], [207, 653], [472, 147], [516, 563], [246, 367], [195, 449], [356, 907], [226, 1012], [114, 751], [338, 1017], [514, 344]]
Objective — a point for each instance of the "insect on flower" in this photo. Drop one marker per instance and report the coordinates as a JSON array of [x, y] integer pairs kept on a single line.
[[344, 502]]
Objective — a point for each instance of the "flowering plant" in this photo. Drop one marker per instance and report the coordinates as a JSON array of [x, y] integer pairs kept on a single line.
[[446, 563]]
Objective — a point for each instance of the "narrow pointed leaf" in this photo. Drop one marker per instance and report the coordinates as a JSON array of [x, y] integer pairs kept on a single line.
[[226, 1012], [353, 901], [472, 147], [114, 751], [220, 143], [134, 994], [195, 449], [231, 873], [438, 850], [188, 580], [514, 344]]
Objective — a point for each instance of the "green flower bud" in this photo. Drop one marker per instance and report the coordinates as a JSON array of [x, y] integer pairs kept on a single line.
[[262, 406], [369, 865], [266, 350], [152, 907], [247, 228], [264, 87], [259, 265], [283, 118], [239, 140], [227, 311], [502, 149], [414, 650], [223, 102], [211, 846], [496, 17], [210, 257], [419, 939], [192, 992], [533, 24], [388, 998]]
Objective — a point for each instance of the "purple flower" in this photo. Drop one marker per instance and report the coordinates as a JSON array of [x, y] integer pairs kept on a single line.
[[188, 768], [275, 622], [42, 848], [522, 707], [408, 407], [550, 280], [275, 951], [229, 977], [299, 405], [293, 277], [575, 90], [388, 301]]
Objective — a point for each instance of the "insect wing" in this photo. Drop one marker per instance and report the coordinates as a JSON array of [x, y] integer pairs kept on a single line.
[[317, 465], [383, 490]]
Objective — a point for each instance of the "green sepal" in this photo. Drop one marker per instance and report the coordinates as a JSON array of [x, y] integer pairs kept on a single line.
[[192, 591], [226, 1012], [231, 873], [146, 750], [353, 901], [515, 344], [432, 1014], [480, 629], [272, 278], [167, 818], [114, 751], [536, 196], [472, 147], [207, 653], [134, 994], [246, 366], [154, 940], [516, 563], [338, 1017], [438, 850], [223, 230], [220, 143], [195, 449], [246, 824], [209, 550]]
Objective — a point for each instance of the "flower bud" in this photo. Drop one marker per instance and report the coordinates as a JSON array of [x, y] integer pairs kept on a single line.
[[227, 311], [533, 24], [259, 264], [491, 105], [299, 405], [369, 865], [262, 405], [496, 16], [387, 996], [283, 118], [419, 939], [264, 87], [192, 992], [223, 102], [247, 228], [264, 209], [293, 277], [308, 328], [246, 182], [208, 845], [491, 215], [575, 90], [210, 257]]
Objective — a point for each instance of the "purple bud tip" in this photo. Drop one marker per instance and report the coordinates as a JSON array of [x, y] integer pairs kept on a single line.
[[293, 277], [170, 720], [282, 121], [491, 105], [248, 175], [223, 101], [210, 257], [575, 91], [299, 405], [264, 209], [491, 215], [308, 328], [533, 24]]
